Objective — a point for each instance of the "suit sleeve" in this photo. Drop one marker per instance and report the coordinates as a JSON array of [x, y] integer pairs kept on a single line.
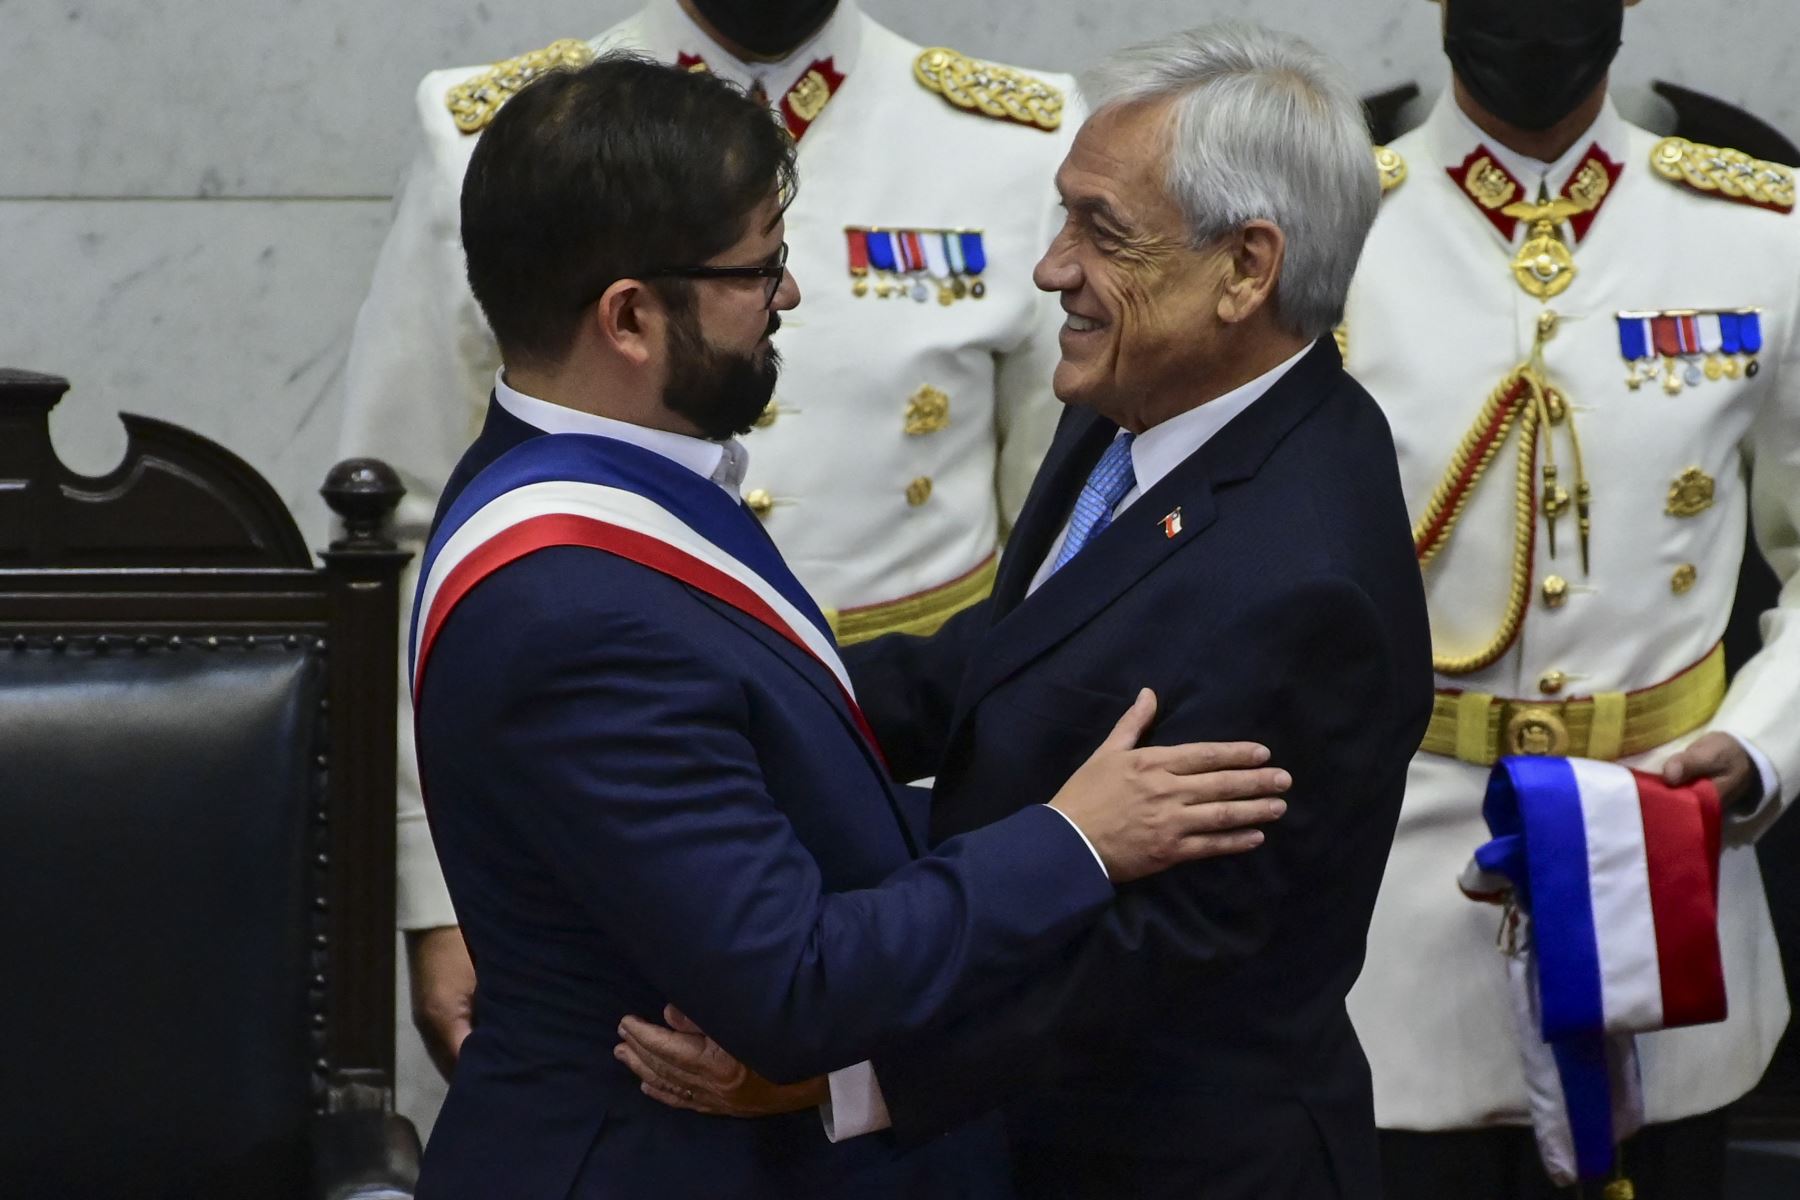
[[1318, 658], [637, 782], [1759, 707], [907, 688], [421, 363]]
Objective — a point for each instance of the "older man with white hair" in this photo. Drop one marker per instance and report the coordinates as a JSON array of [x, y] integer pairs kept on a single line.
[[1220, 518]]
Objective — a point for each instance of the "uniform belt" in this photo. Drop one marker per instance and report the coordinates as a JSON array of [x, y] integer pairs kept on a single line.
[[921, 612], [1478, 728]]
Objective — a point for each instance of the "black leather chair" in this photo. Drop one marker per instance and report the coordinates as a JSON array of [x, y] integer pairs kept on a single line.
[[196, 826]]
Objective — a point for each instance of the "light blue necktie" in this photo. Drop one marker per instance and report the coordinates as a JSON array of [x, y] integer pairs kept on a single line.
[[1106, 485]]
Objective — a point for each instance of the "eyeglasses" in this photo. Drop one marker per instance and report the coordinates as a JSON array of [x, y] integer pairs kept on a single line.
[[773, 272]]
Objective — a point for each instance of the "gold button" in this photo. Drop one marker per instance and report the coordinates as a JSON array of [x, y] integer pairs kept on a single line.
[[918, 491], [1551, 682], [1683, 579], [759, 502], [767, 416], [1556, 591]]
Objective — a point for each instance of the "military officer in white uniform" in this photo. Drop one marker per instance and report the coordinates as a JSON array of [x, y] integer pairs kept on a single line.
[[1544, 274], [914, 402]]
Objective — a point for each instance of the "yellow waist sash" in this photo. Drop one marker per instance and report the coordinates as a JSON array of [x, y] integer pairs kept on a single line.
[[921, 612], [1479, 728]]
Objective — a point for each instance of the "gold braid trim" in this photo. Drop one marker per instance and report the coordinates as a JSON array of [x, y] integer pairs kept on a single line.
[[1503, 405], [1521, 396]]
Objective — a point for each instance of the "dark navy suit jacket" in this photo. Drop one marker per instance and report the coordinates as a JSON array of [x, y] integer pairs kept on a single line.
[[641, 795], [1204, 1019]]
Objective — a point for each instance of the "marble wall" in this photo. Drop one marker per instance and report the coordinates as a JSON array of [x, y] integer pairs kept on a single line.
[[192, 196]]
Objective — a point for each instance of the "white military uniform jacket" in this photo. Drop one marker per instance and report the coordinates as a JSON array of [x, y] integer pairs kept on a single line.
[[904, 432], [1435, 321]]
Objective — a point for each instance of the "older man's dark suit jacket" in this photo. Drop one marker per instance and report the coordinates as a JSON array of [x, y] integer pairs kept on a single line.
[[640, 795], [1267, 590]]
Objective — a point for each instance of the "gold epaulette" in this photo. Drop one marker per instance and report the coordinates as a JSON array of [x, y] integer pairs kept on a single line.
[[1391, 166], [1725, 173], [994, 91], [474, 101]]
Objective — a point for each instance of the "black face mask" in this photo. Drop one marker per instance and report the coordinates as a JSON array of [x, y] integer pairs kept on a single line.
[[766, 27], [1532, 62]]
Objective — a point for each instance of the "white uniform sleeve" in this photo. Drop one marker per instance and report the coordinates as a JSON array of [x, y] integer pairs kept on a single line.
[[1025, 408], [421, 364], [1760, 705]]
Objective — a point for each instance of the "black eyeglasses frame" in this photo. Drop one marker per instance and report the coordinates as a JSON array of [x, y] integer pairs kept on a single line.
[[774, 272]]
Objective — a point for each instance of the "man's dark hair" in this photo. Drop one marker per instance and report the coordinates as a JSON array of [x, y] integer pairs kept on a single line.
[[606, 173]]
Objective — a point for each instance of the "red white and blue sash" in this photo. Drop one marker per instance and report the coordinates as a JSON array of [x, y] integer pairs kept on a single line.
[[608, 495], [1615, 879]]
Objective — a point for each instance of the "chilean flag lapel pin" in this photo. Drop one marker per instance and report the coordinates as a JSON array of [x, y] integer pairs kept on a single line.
[[1172, 524]]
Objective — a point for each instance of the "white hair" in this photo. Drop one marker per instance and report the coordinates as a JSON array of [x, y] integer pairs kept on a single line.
[[1264, 127]]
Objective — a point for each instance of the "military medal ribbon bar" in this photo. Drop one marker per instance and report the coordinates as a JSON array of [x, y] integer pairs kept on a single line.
[[1689, 346], [912, 261]]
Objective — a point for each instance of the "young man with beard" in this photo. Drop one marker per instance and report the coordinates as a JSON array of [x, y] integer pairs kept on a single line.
[[916, 405], [1533, 244], [648, 776]]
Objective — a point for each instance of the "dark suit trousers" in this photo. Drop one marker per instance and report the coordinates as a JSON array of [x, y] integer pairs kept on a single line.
[[1060, 1171], [1682, 1160]]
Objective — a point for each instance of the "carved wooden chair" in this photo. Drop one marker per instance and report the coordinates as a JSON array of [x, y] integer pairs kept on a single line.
[[196, 825]]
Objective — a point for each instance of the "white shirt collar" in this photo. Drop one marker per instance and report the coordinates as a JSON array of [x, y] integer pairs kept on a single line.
[[722, 462], [1161, 448], [668, 32]]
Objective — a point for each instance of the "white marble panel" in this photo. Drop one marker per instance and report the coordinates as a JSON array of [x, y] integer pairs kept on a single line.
[[229, 317], [265, 98]]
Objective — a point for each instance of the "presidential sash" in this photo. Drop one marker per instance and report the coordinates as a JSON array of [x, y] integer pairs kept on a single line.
[[1612, 881], [611, 496]]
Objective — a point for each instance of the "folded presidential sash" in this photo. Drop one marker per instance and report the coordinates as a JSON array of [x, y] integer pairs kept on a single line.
[[1611, 879]]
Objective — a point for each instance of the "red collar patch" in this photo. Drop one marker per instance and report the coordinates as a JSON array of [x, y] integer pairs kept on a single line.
[[1491, 187], [803, 103]]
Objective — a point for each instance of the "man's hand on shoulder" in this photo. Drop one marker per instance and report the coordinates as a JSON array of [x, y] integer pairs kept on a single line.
[[1145, 809], [683, 1068], [443, 991]]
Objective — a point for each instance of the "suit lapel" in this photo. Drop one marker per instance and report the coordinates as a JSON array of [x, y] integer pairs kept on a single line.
[[1081, 437], [823, 682], [1141, 538]]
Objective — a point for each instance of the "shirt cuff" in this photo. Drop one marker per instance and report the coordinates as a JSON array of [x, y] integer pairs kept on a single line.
[[856, 1106], [1084, 839]]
